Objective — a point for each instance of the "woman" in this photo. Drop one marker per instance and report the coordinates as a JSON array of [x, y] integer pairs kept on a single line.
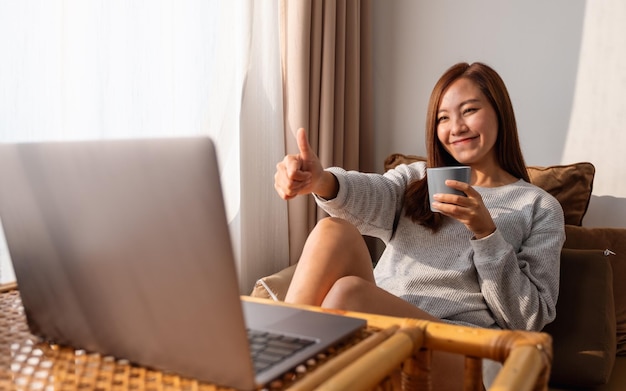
[[488, 259]]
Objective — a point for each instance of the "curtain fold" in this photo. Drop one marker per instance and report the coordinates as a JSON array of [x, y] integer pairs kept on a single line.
[[326, 64], [261, 246]]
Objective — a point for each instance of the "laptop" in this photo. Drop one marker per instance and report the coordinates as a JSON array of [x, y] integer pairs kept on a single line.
[[122, 247]]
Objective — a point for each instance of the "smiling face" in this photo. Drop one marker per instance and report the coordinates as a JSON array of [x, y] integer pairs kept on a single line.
[[467, 125]]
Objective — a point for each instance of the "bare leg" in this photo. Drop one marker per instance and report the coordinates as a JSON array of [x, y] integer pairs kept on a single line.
[[335, 271], [334, 249]]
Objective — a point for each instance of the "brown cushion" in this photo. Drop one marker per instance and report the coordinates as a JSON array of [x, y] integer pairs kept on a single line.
[[274, 286], [570, 184], [613, 239], [398, 158], [584, 329]]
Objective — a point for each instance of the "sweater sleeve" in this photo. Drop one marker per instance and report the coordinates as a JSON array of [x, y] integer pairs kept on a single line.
[[371, 202], [521, 285]]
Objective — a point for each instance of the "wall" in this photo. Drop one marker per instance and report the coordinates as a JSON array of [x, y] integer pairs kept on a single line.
[[535, 45]]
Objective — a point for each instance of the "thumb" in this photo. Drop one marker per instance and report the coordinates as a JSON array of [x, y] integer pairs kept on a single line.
[[303, 145]]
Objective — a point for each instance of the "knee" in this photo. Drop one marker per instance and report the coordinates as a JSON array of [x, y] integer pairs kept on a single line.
[[345, 294], [336, 227]]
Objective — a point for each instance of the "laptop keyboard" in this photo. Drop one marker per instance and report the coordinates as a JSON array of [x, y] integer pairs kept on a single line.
[[268, 348]]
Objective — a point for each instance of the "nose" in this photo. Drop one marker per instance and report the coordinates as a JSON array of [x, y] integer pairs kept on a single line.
[[458, 125]]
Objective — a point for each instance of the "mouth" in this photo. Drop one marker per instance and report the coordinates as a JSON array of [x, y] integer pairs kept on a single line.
[[463, 140]]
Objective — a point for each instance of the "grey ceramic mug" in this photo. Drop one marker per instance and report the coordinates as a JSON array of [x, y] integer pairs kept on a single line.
[[437, 177]]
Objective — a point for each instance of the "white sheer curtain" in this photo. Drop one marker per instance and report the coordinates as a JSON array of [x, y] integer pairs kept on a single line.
[[71, 69]]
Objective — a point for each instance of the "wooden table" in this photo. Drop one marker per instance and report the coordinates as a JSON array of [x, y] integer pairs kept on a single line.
[[391, 353]]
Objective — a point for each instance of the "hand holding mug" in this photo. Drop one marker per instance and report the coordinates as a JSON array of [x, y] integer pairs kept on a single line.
[[451, 194]]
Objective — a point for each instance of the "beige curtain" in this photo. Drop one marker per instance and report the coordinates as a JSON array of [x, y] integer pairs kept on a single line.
[[326, 63]]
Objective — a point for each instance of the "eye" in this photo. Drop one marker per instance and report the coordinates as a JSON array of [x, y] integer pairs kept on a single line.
[[442, 119], [470, 110]]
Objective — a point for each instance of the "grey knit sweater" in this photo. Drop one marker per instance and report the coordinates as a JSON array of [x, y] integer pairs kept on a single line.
[[509, 279]]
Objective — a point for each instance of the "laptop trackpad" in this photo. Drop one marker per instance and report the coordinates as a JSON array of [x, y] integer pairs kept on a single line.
[[294, 321]]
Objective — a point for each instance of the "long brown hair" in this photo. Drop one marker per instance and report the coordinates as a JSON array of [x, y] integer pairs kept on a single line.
[[508, 152]]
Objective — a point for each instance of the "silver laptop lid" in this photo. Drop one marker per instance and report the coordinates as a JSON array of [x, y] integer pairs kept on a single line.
[[153, 249]]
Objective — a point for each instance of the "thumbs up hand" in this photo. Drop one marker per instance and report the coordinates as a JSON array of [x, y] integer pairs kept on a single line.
[[303, 173]]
